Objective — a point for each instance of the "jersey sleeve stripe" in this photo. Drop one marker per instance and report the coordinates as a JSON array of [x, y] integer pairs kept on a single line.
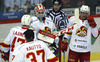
[[5, 45], [68, 33], [54, 59]]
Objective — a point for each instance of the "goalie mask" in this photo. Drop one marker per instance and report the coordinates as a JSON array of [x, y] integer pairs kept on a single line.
[[26, 20], [40, 11], [85, 9]]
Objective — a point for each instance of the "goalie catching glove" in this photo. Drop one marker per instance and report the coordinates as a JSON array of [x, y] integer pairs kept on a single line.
[[64, 46]]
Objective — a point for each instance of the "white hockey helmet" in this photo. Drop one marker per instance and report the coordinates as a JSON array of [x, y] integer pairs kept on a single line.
[[26, 20], [39, 8], [85, 9]]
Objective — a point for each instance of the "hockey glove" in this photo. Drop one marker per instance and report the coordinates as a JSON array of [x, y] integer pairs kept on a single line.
[[4, 55], [91, 22], [64, 46]]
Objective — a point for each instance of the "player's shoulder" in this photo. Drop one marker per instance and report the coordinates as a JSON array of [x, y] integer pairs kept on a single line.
[[34, 19], [72, 17], [48, 19], [40, 42], [15, 28]]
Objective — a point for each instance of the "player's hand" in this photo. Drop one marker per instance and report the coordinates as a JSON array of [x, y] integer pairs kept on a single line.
[[5, 56], [91, 22], [57, 26], [64, 46]]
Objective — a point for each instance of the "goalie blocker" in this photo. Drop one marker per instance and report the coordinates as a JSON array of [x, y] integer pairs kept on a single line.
[[46, 37]]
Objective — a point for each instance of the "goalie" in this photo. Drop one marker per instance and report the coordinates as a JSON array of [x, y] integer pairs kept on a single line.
[[40, 22]]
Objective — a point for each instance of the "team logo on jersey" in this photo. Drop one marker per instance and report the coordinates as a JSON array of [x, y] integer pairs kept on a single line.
[[82, 31], [65, 2], [47, 29]]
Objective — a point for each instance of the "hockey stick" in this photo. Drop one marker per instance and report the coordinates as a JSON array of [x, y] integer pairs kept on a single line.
[[64, 56], [76, 13]]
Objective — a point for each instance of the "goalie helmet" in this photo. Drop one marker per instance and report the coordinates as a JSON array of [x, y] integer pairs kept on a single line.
[[26, 20], [40, 10], [85, 9]]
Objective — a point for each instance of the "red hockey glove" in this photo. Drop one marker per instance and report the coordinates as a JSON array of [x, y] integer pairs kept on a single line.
[[4, 55], [91, 22], [64, 46]]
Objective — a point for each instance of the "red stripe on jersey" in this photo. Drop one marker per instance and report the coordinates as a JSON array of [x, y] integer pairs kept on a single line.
[[0, 43], [24, 28], [5, 45], [68, 33], [53, 59], [99, 31], [47, 34]]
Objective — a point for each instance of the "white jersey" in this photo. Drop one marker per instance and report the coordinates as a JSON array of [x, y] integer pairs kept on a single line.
[[33, 51], [47, 25], [14, 39], [81, 36]]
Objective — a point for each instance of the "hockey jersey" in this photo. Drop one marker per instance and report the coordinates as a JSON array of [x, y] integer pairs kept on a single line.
[[47, 25], [33, 51], [14, 39], [81, 36]]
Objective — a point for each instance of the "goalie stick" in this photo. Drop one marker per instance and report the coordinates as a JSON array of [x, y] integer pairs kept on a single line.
[[76, 13]]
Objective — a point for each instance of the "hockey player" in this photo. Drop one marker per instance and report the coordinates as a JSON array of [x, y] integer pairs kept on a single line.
[[16, 37], [33, 51], [80, 43], [40, 22]]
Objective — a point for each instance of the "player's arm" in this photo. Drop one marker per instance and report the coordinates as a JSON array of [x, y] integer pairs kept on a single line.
[[93, 25], [67, 36], [7, 42], [95, 32], [5, 47]]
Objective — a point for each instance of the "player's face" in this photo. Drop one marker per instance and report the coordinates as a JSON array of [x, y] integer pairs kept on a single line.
[[84, 15], [40, 14], [56, 7]]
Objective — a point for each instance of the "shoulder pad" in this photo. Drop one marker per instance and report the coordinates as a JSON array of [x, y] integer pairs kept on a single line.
[[49, 19], [34, 18], [16, 27], [72, 17]]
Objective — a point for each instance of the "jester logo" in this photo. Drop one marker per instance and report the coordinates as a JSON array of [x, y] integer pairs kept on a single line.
[[47, 30], [82, 31], [65, 2]]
